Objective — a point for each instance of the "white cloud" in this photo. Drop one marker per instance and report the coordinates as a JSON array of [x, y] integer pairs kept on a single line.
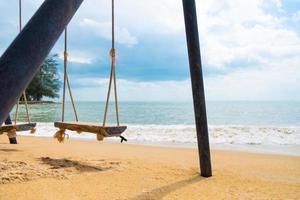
[[296, 16], [103, 29], [95, 89], [232, 31], [141, 17], [257, 44], [78, 57], [280, 81]]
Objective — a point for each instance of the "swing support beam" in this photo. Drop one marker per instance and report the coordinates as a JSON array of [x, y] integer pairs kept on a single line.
[[25, 55], [193, 45]]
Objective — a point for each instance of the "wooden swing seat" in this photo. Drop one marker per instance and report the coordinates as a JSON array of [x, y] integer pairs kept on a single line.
[[18, 127], [110, 131]]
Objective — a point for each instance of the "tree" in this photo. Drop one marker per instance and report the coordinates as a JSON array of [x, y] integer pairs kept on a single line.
[[46, 81]]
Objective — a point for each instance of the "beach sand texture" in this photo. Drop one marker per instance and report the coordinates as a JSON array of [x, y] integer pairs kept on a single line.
[[40, 168]]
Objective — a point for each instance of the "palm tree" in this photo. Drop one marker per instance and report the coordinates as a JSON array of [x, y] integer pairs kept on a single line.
[[46, 81]]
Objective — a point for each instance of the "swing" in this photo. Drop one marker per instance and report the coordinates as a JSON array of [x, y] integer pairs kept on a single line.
[[12, 129], [101, 130]]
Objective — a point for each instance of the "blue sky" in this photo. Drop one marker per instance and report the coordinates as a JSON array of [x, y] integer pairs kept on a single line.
[[250, 49]]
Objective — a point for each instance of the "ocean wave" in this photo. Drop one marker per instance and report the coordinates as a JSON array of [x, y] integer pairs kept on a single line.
[[185, 134]]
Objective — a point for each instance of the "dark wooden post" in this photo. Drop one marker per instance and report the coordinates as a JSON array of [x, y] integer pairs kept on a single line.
[[24, 56], [193, 44], [12, 140]]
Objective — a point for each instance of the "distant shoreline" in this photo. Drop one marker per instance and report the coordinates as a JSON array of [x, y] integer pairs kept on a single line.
[[39, 102]]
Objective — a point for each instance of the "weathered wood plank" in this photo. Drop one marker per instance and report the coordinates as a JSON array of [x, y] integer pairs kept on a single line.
[[18, 127], [111, 131]]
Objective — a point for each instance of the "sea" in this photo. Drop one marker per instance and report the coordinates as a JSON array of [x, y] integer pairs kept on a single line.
[[259, 126]]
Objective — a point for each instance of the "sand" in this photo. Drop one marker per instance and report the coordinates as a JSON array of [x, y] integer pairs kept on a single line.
[[40, 168]]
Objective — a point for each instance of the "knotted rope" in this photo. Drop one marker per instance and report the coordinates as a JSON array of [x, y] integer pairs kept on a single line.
[[12, 133], [24, 92], [101, 135], [112, 54], [66, 82], [61, 135]]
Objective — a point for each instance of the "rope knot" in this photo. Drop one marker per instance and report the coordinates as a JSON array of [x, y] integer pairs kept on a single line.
[[61, 135], [112, 53], [101, 134], [12, 133], [65, 55], [33, 130]]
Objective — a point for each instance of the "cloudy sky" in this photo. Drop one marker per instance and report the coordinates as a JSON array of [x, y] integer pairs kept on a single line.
[[250, 49]]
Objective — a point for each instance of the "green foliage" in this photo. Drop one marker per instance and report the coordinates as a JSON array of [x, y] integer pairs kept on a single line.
[[46, 81]]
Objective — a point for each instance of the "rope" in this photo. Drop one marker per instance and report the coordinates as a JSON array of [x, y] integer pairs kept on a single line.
[[20, 15], [17, 111], [112, 73], [116, 98], [12, 133], [67, 82], [65, 78], [61, 135], [26, 107], [101, 135], [72, 99], [108, 96], [24, 92]]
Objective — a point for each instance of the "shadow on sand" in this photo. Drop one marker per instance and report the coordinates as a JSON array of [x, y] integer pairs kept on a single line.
[[9, 150], [67, 163], [160, 192]]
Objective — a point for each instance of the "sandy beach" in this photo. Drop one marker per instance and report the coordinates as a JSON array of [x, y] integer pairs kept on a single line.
[[168, 76], [40, 168]]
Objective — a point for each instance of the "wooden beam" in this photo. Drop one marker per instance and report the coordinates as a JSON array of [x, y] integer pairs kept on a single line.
[[193, 44]]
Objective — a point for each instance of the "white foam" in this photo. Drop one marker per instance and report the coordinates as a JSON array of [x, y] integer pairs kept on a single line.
[[184, 135]]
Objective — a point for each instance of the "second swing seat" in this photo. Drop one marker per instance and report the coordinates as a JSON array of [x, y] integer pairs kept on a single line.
[[17, 127]]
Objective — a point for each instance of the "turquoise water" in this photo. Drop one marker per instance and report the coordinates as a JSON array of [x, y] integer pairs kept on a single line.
[[275, 114], [259, 126]]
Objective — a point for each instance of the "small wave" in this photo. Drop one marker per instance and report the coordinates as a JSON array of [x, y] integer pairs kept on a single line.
[[185, 134]]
